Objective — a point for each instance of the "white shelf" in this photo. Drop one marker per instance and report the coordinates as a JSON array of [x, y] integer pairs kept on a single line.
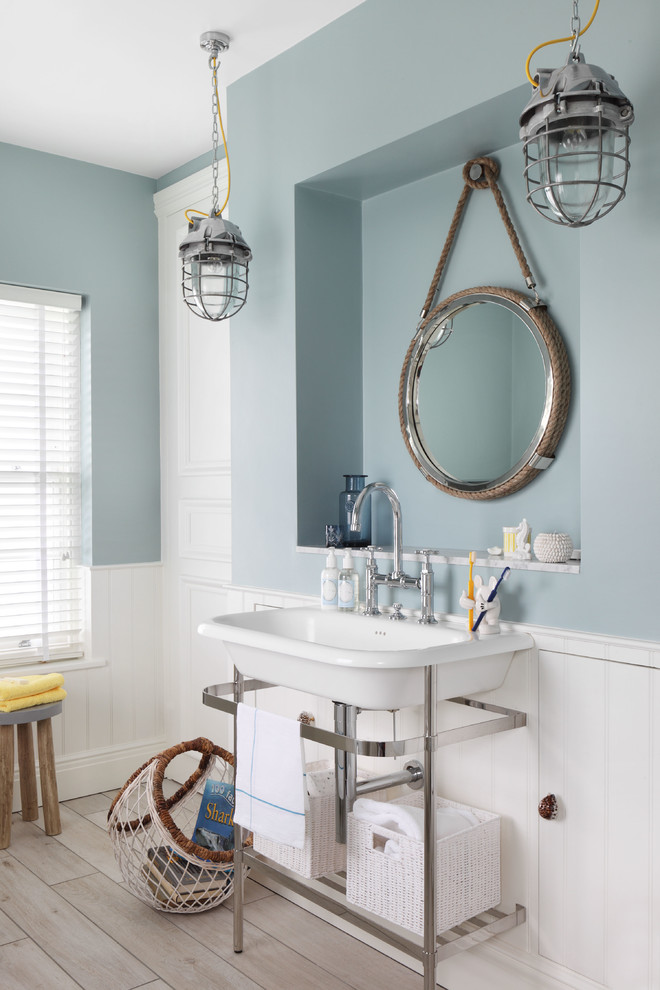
[[461, 558]]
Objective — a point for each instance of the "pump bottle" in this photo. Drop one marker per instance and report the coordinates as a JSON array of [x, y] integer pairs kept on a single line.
[[349, 585], [329, 581]]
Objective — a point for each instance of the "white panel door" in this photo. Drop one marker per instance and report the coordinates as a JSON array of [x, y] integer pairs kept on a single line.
[[599, 861]]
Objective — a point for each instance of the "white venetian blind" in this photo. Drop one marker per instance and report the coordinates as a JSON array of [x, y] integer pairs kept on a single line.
[[41, 608]]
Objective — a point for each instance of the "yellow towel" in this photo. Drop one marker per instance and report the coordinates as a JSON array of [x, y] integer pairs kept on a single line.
[[20, 687], [45, 698]]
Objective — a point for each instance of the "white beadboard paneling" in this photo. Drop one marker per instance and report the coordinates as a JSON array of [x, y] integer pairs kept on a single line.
[[101, 703], [206, 662], [146, 620], [552, 780], [654, 874], [99, 715], [99, 611], [584, 798], [71, 730], [113, 707], [121, 655], [628, 840], [128, 696], [639, 653], [514, 769]]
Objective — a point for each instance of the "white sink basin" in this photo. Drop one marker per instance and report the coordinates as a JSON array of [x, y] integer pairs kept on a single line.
[[368, 661]]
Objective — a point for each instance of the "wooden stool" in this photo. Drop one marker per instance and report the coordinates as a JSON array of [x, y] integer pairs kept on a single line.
[[22, 719]]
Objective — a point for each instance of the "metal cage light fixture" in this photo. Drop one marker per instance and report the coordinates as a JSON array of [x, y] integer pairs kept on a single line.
[[575, 138], [215, 256]]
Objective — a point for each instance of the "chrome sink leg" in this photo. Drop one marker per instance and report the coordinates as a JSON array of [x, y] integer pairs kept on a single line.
[[239, 693], [430, 953], [345, 768]]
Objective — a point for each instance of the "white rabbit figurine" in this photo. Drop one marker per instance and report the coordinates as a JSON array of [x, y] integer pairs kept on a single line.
[[491, 621]]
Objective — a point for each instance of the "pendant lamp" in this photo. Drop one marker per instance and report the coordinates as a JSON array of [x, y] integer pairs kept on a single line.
[[214, 254], [575, 137]]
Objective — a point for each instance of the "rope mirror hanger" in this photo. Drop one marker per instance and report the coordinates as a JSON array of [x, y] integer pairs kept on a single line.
[[434, 329]]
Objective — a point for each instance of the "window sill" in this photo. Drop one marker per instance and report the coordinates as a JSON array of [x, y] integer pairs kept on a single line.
[[45, 667]]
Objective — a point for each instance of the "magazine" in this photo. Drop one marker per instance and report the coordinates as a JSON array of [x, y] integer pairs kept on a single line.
[[215, 821], [181, 879]]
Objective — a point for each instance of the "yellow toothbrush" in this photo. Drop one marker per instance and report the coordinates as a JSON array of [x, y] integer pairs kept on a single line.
[[472, 558]]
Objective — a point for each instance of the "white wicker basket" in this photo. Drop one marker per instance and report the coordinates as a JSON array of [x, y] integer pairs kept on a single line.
[[467, 871], [321, 854], [150, 834]]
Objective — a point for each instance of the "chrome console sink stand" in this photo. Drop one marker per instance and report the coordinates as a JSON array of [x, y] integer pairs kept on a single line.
[[328, 892]]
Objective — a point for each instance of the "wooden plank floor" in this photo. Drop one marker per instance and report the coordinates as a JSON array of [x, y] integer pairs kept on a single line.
[[68, 921]]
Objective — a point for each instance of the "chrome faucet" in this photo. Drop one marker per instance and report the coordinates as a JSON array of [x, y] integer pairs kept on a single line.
[[397, 578]]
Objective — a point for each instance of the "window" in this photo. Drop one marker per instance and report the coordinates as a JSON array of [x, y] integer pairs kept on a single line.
[[41, 588]]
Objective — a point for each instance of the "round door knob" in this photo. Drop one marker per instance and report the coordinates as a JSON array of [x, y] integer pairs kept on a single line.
[[548, 807]]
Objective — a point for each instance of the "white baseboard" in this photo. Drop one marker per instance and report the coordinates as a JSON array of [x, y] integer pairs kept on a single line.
[[96, 770]]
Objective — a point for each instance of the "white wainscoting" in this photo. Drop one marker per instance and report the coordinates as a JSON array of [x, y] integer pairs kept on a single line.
[[112, 717], [590, 880]]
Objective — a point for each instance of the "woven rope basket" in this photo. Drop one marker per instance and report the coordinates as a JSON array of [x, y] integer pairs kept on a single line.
[[150, 834]]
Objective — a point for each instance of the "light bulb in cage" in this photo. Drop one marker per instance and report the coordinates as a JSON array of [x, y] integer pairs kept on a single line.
[[575, 141], [215, 268]]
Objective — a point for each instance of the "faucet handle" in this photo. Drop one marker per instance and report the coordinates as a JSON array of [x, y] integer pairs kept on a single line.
[[397, 614], [426, 580]]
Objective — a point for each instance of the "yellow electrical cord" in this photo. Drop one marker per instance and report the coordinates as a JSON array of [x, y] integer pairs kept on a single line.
[[199, 213], [556, 41]]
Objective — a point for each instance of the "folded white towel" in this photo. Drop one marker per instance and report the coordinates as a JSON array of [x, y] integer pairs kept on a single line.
[[270, 793], [409, 820]]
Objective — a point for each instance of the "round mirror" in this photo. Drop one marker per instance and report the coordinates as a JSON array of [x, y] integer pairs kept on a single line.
[[484, 393]]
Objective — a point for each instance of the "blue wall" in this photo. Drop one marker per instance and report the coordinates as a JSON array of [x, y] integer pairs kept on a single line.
[[80, 228], [373, 87]]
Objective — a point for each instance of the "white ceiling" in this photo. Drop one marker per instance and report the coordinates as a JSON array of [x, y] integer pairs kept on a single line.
[[125, 84]]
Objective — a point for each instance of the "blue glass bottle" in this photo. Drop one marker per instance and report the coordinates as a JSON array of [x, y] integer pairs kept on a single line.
[[353, 487]]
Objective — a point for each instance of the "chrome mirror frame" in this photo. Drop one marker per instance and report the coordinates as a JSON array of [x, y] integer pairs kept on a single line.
[[540, 452]]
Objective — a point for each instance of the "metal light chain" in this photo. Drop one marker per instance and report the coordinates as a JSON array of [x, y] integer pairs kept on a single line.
[[575, 29], [213, 62]]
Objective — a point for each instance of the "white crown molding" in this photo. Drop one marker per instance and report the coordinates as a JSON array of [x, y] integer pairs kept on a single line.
[[181, 194]]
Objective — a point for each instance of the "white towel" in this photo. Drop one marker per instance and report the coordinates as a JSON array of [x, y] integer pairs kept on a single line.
[[409, 820], [270, 792]]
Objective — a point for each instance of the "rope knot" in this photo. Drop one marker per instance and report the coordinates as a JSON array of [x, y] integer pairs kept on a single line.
[[479, 173]]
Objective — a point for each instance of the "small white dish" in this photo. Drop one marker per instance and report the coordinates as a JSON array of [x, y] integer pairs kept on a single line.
[[494, 551]]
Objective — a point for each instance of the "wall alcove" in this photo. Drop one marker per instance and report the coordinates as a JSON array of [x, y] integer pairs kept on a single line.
[[368, 234]]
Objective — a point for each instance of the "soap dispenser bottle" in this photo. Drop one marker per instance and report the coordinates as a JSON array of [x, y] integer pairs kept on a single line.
[[349, 585], [329, 582]]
